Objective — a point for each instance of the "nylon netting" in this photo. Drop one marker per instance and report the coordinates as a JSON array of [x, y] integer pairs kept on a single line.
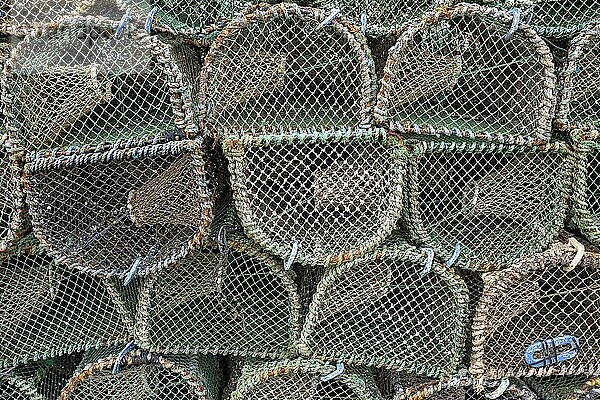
[[301, 379], [539, 317], [124, 209], [586, 202], [276, 68], [333, 194], [235, 300], [455, 74], [144, 375], [376, 311], [73, 83], [497, 202], [566, 388], [47, 310]]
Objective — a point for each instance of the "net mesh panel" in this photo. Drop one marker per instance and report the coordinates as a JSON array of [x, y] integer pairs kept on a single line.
[[529, 307], [47, 310], [454, 74], [145, 376], [586, 196], [380, 310], [74, 84], [382, 17], [499, 202], [300, 379], [337, 194], [581, 96], [13, 221], [275, 68], [122, 208], [105, 8], [241, 302], [566, 387]]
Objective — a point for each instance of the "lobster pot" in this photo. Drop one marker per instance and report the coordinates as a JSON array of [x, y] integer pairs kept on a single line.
[[287, 67], [462, 71], [485, 205], [143, 375], [325, 197], [580, 104], [378, 17], [578, 387], [12, 200], [392, 309], [302, 379], [238, 302], [539, 317], [46, 310], [74, 83], [122, 210]]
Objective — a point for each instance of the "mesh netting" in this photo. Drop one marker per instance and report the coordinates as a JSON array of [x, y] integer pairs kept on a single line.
[[535, 318], [566, 388], [581, 95], [333, 194], [276, 67], [144, 376], [455, 74], [124, 209], [240, 302], [73, 83], [47, 310], [301, 379], [586, 196], [384, 310], [498, 202], [12, 201]]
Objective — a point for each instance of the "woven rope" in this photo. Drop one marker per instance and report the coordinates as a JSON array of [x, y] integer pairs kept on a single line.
[[586, 184], [337, 194], [380, 310], [454, 74], [13, 218], [275, 68], [499, 202]]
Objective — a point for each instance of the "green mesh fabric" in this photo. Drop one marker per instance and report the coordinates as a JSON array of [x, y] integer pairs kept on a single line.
[[128, 208], [301, 379], [47, 310], [73, 83], [498, 202], [530, 306], [384, 310], [235, 300], [275, 68], [334, 194], [455, 74], [565, 387], [144, 375], [586, 184]]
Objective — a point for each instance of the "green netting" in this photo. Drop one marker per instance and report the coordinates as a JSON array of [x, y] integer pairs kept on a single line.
[[566, 387], [580, 104], [128, 208], [539, 317], [276, 67], [221, 301], [144, 375], [586, 184], [330, 195], [301, 379], [499, 202], [47, 310], [73, 84], [454, 73], [385, 310]]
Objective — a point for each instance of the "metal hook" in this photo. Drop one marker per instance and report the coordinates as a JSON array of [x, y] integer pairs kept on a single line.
[[499, 391], [334, 13], [429, 262], [128, 347], [339, 369], [578, 256], [132, 271], [454, 256], [124, 20], [290, 261], [516, 14], [363, 23], [150, 19]]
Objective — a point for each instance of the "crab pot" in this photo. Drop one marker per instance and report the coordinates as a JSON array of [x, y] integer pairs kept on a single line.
[[74, 84], [238, 302], [484, 205], [124, 209], [539, 317], [580, 103], [276, 67], [13, 222], [457, 73], [47, 310], [381, 17], [323, 196], [578, 387], [386, 310], [302, 379], [143, 375]]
